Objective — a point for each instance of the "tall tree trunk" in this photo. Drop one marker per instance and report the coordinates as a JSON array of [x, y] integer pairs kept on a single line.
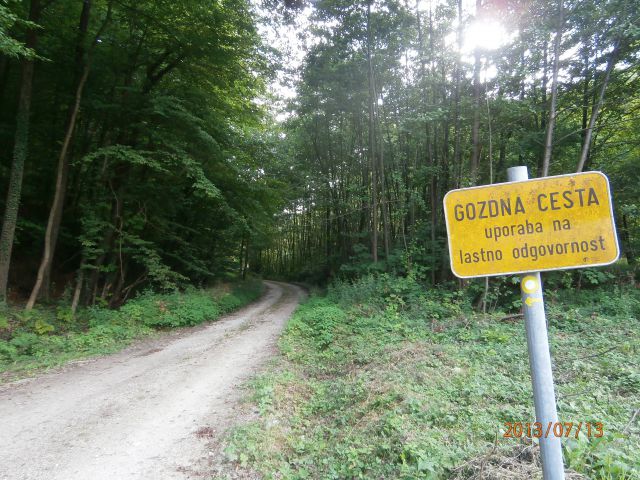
[[372, 144], [79, 72], [245, 265], [20, 150], [384, 196], [543, 99], [77, 292], [585, 91], [475, 128], [457, 163], [241, 256], [502, 155], [55, 214], [116, 298], [523, 122], [548, 142], [365, 214], [434, 163], [597, 107], [485, 295]]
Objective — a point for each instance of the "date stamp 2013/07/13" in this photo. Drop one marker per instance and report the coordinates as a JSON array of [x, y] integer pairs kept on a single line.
[[557, 429]]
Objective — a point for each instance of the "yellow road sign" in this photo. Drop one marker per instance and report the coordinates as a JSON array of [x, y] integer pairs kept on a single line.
[[549, 223]]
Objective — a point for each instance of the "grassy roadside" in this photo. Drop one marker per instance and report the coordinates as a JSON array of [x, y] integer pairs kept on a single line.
[[381, 379], [43, 338]]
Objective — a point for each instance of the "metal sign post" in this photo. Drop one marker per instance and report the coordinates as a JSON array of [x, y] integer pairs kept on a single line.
[[544, 396]]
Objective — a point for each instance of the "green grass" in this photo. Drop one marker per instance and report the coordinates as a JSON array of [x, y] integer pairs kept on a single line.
[[383, 379], [44, 338]]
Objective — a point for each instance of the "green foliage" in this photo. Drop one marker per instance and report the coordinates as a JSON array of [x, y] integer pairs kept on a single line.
[[317, 321], [171, 168], [377, 136], [9, 46], [400, 295], [187, 309], [243, 293], [384, 379], [41, 327], [99, 330], [64, 314]]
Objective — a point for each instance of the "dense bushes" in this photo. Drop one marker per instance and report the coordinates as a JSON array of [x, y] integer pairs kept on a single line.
[[400, 295], [318, 321], [47, 337]]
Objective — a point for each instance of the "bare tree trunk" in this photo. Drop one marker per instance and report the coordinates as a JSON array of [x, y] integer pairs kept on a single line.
[[475, 128], [548, 142], [485, 295], [434, 162], [372, 144], [384, 199], [55, 214], [585, 91], [241, 255], [433, 197], [79, 71], [5, 67], [597, 107], [78, 290], [544, 114], [116, 298], [20, 150], [245, 265], [457, 164]]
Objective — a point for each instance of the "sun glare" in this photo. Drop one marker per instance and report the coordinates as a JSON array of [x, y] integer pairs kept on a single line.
[[484, 34]]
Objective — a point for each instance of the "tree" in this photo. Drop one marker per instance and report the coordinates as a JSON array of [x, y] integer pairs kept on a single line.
[[21, 143], [82, 67], [164, 169], [361, 167], [551, 122]]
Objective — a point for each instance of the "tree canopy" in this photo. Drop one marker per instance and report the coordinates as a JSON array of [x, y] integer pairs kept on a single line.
[[399, 102], [140, 146], [148, 159]]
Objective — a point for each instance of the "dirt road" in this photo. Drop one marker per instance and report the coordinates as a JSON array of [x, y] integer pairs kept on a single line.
[[148, 412]]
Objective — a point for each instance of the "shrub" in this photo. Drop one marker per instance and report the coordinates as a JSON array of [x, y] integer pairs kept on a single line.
[[319, 319], [38, 339], [25, 343], [41, 327], [7, 351]]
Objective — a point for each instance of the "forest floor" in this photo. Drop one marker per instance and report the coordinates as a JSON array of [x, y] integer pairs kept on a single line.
[[154, 410]]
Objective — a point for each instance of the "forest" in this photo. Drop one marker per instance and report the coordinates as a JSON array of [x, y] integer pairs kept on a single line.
[[399, 102], [133, 151], [144, 144], [155, 151]]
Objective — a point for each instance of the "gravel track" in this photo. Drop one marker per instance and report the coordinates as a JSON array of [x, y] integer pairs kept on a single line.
[[148, 412]]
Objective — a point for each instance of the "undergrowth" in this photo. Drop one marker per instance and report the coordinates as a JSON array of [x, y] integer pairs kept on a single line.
[[383, 379], [47, 337]]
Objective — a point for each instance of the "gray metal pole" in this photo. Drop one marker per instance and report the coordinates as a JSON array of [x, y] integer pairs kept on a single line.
[[544, 396]]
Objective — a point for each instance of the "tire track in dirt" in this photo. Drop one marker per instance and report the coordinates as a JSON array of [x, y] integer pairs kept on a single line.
[[148, 412]]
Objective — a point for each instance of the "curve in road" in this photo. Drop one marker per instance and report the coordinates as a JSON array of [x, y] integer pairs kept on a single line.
[[147, 412]]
